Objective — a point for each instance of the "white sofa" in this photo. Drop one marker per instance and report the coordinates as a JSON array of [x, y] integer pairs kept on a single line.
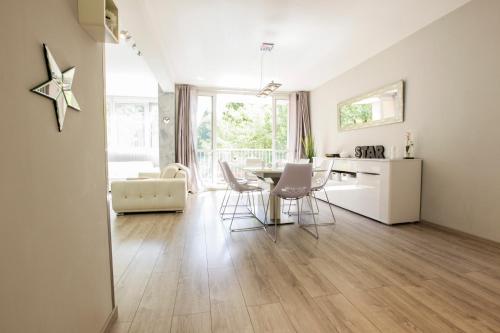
[[166, 193]]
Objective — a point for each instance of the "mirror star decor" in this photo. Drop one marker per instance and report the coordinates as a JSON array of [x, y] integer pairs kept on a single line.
[[58, 88]]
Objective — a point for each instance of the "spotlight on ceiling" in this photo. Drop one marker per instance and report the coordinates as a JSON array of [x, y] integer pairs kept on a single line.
[[125, 34]]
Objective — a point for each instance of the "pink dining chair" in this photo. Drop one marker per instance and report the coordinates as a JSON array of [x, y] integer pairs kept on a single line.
[[295, 184], [225, 199], [241, 189], [319, 181]]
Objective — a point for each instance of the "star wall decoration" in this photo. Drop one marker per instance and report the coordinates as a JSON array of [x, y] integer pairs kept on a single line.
[[58, 88]]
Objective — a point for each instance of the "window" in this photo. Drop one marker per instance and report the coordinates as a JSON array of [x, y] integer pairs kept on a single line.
[[132, 136], [204, 123], [244, 122], [204, 131], [234, 127], [281, 129]]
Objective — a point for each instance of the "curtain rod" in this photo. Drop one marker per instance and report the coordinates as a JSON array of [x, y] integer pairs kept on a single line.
[[233, 90]]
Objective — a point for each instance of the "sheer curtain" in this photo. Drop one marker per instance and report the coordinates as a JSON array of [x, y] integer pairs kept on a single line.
[[185, 153], [300, 122]]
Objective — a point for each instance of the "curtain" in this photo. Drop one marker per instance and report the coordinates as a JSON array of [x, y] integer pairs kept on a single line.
[[302, 122], [185, 152]]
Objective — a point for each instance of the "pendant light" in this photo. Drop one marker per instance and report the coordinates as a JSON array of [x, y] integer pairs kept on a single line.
[[272, 86]]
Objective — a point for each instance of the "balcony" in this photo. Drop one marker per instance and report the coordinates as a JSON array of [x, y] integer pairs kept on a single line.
[[207, 161]]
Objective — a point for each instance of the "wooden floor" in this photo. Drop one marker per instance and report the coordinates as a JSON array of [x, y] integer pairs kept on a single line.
[[186, 273]]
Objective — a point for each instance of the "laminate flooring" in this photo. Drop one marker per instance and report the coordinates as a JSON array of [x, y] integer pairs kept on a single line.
[[184, 272]]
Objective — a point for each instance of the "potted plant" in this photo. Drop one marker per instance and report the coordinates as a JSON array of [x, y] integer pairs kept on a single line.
[[308, 143]]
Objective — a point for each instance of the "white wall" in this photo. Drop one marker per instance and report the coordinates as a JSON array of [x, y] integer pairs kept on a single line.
[[452, 74], [54, 253]]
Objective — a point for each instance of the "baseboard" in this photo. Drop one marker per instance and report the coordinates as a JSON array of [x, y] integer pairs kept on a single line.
[[110, 321], [461, 233]]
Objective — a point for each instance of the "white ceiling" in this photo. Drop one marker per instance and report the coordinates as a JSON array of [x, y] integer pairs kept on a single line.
[[127, 74], [216, 43]]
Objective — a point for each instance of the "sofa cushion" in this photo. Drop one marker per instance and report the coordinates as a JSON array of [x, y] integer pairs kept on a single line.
[[169, 172]]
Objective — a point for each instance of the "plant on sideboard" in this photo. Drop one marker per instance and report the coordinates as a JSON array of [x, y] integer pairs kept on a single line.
[[308, 144]]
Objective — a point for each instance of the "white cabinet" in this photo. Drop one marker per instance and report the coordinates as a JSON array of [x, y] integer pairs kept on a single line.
[[384, 190]]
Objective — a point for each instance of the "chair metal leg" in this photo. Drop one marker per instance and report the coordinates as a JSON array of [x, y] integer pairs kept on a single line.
[[289, 207], [314, 217], [227, 202], [305, 227], [223, 199], [238, 215], [302, 208], [330, 205], [316, 201], [253, 203], [298, 211], [234, 212], [249, 204]]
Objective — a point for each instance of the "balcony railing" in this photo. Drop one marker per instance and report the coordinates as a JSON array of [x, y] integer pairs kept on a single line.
[[209, 168]]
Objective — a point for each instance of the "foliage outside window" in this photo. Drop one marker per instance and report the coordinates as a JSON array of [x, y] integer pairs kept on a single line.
[[235, 127], [355, 114], [244, 122]]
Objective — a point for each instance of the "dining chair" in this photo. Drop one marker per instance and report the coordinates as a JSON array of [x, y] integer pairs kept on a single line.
[[290, 202], [319, 180], [253, 163], [295, 184], [225, 199], [241, 189]]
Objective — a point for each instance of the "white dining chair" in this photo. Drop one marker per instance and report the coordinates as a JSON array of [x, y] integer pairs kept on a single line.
[[290, 202], [295, 184], [225, 199], [241, 189], [319, 181]]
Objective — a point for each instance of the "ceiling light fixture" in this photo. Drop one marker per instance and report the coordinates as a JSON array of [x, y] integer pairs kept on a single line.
[[124, 34], [272, 86], [268, 89], [127, 37]]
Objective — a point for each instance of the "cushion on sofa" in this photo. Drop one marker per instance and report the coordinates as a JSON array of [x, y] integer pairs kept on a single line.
[[169, 172]]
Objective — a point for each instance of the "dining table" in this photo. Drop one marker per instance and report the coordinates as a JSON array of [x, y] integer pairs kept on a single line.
[[270, 176]]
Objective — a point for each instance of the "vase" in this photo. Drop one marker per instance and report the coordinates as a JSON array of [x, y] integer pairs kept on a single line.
[[409, 153]]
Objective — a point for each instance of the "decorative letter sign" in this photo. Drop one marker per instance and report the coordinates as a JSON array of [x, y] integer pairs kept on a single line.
[[369, 152]]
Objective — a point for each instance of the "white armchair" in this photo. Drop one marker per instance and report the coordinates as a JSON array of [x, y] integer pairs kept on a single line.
[[168, 192]]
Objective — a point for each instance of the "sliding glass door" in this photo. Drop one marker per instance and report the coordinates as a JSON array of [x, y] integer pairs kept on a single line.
[[234, 127]]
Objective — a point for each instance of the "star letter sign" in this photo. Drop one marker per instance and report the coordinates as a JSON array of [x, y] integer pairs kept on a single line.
[[58, 88]]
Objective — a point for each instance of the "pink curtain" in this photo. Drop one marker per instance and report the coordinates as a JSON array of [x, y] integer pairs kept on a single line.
[[185, 153], [302, 122]]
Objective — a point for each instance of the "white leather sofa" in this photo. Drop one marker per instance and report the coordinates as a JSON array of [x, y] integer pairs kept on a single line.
[[166, 193]]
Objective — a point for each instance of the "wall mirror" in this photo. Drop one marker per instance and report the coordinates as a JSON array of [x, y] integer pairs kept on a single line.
[[380, 107]]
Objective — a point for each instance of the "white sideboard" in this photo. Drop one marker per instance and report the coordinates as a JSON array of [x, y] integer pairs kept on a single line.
[[384, 190]]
